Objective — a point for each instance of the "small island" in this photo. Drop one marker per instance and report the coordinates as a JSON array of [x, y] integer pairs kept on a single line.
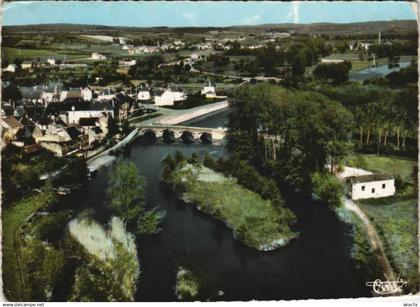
[[255, 221]]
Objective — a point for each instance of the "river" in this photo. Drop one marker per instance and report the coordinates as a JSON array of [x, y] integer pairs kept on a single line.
[[315, 265], [380, 71]]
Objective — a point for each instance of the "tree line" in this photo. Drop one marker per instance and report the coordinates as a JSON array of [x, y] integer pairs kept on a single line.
[[288, 134]]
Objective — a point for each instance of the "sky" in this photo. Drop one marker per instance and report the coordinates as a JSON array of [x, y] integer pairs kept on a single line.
[[196, 14]]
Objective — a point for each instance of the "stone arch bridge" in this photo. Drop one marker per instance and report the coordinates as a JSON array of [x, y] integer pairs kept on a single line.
[[217, 134]]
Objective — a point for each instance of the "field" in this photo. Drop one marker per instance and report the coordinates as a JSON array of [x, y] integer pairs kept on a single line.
[[396, 166], [396, 222], [255, 222], [12, 53]]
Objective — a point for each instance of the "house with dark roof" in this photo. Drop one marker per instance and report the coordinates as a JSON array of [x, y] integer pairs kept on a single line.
[[96, 110], [11, 126], [31, 94], [374, 185], [58, 139]]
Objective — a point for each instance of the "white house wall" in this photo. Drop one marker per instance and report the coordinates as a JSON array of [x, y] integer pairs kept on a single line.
[[373, 189], [143, 95], [74, 116]]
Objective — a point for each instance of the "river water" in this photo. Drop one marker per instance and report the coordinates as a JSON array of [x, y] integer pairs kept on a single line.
[[315, 265], [380, 71]]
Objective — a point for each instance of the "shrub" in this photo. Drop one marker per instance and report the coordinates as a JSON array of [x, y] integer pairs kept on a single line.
[[327, 188], [149, 222]]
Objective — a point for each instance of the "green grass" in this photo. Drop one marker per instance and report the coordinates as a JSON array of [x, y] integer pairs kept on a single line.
[[13, 220], [255, 221], [359, 65], [396, 166], [362, 250], [396, 222], [12, 53]]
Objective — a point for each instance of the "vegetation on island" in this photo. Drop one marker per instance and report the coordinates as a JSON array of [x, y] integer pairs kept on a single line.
[[126, 192], [108, 266], [257, 222], [187, 284]]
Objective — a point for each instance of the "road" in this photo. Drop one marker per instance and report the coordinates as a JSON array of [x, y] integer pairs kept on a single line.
[[374, 239], [245, 79]]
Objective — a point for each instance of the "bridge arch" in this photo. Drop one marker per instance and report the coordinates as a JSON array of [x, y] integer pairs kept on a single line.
[[187, 137], [206, 138]]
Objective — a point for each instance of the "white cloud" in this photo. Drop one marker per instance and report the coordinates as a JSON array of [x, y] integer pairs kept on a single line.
[[295, 11], [293, 15], [13, 5], [191, 18], [252, 20], [414, 7]]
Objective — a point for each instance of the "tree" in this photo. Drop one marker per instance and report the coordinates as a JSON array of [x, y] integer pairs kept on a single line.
[[339, 72], [168, 166], [11, 93], [327, 188], [126, 191], [149, 222], [299, 63], [300, 130]]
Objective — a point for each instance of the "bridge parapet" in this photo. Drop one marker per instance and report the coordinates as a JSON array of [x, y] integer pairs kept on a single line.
[[197, 132]]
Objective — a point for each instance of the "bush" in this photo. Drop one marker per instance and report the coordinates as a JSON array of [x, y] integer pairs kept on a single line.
[[327, 188], [149, 222]]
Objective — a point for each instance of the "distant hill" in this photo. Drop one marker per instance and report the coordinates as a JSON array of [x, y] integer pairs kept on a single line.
[[362, 28], [370, 27]]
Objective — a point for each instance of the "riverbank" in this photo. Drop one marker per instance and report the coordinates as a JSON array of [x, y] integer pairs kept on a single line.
[[13, 221], [375, 240], [396, 221], [254, 221]]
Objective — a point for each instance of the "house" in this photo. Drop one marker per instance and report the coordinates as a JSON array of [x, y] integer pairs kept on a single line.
[[107, 94], [209, 90], [51, 61], [331, 61], [371, 186], [86, 93], [70, 94], [56, 137], [194, 56], [50, 94], [96, 109], [95, 128], [127, 63], [143, 94], [31, 94], [10, 127], [10, 68], [26, 65], [98, 56], [364, 46], [169, 96]]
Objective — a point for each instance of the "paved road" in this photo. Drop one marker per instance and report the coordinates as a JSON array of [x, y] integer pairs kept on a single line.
[[246, 79], [374, 239]]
